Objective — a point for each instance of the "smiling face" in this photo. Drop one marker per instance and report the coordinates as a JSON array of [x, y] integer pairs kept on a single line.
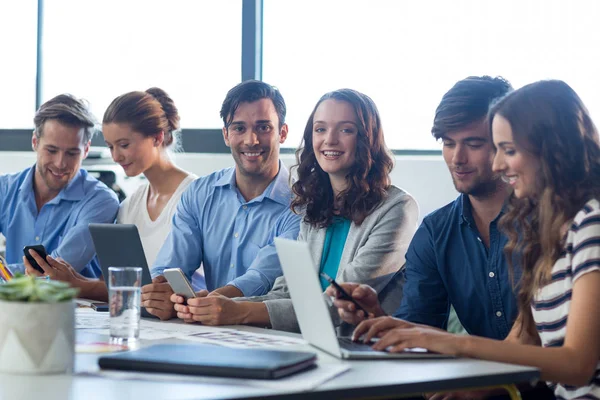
[[469, 154], [518, 167], [60, 150], [135, 152], [254, 137], [335, 132]]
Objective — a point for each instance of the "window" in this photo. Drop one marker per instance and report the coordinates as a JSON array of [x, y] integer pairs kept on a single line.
[[406, 54], [99, 50], [18, 37]]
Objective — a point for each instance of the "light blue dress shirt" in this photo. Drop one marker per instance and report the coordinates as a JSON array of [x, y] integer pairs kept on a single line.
[[61, 224], [231, 237]]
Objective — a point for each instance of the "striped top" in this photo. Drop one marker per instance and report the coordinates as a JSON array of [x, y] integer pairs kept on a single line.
[[552, 303]]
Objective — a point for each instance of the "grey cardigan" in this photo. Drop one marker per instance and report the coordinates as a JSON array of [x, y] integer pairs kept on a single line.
[[373, 253]]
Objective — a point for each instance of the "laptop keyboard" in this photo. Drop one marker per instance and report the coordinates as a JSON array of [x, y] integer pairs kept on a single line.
[[348, 344]]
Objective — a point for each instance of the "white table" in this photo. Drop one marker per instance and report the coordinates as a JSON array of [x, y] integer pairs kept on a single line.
[[390, 378]]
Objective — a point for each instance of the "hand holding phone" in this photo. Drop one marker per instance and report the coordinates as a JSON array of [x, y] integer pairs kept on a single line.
[[179, 283], [41, 250], [343, 294]]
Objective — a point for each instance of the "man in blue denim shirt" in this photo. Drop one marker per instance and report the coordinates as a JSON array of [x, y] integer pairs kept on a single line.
[[227, 220], [456, 256], [52, 202]]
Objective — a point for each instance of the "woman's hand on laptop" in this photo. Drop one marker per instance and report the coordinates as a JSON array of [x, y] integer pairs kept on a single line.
[[397, 335], [366, 297], [156, 298]]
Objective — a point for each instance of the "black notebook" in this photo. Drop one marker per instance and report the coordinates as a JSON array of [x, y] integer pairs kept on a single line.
[[202, 359]]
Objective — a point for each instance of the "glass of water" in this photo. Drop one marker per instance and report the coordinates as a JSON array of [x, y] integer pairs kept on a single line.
[[124, 297]]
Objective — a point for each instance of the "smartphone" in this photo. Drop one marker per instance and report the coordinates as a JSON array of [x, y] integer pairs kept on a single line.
[[179, 283], [100, 307], [343, 294], [41, 250]]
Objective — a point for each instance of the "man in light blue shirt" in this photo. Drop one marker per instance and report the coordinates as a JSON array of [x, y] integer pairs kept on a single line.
[[52, 202], [227, 221]]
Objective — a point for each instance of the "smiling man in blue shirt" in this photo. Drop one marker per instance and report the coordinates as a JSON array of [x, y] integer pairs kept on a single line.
[[53, 202], [227, 221]]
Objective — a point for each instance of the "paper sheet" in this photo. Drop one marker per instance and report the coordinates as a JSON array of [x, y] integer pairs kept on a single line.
[[302, 381], [90, 319], [157, 330], [242, 339]]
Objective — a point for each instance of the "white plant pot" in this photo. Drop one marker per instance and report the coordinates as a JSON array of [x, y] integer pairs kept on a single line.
[[37, 338]]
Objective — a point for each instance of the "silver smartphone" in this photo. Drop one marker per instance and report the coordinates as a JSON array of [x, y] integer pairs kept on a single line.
[[179, 283]]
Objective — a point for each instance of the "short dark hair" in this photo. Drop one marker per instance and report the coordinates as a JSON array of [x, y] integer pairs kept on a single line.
[[147, 113], [468, 101], [250, 91], [68, 110]]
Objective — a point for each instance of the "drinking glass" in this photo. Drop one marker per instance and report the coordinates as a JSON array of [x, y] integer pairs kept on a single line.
[[124, 297]]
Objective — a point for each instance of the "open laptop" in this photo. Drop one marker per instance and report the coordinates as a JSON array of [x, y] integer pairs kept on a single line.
[[119, 245], [312, 310]]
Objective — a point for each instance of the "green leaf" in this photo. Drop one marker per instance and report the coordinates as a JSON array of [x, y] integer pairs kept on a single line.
[[30, 289]]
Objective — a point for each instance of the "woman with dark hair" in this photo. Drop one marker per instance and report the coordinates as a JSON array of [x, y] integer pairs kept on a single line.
[[138, 128], [548, 150], [357, 224]]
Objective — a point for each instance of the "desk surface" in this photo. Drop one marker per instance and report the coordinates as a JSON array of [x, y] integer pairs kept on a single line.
[[365, 378]]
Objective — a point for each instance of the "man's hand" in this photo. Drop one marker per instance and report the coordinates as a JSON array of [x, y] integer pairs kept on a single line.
[[212, 309], [181, 307], [56, 268], [365, 295], [156, 298]]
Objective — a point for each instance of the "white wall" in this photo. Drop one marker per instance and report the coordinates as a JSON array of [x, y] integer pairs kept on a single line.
[[425, 177]]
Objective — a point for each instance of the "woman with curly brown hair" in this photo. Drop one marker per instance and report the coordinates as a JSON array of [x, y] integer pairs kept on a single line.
[[357, 224], [548, 150]]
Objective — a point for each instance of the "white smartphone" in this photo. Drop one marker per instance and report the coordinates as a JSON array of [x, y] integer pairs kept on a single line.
[[179, 283]]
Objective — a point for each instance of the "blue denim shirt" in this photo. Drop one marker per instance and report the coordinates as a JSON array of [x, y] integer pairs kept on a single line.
[[447, 263], [231, 237]]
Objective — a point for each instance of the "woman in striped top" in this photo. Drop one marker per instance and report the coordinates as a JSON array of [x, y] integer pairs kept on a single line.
[[548, 149]]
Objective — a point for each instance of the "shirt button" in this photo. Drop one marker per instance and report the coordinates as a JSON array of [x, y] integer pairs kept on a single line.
[[231, 266], [37, 238], [492, 274], [236, 234], [498, 313], [245, 207]]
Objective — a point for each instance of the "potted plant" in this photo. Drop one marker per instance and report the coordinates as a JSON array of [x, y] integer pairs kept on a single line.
[[37, 326]]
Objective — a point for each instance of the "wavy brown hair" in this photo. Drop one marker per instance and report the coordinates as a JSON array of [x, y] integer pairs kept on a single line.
[[550, 122], [369, 177]]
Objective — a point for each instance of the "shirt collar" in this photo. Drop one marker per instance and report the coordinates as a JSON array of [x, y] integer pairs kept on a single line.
[[228, 178], [278, 190], [466, 210], [72, 192]]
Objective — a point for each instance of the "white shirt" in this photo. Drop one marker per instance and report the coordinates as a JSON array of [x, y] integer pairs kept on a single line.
[[134, 210]]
